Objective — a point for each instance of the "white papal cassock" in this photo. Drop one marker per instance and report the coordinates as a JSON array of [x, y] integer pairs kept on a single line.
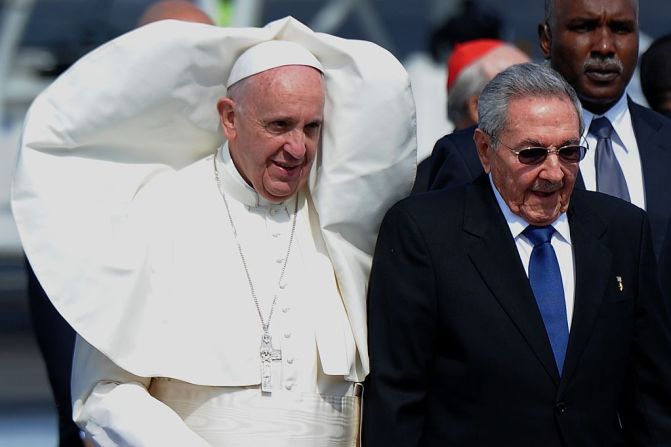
[[122, 219], [195, 260]]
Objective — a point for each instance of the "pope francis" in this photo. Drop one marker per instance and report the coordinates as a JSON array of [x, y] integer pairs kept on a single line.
[[201, 205]]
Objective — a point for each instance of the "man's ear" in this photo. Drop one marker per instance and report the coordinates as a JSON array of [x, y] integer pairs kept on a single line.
[[472, 105], [226, 109], [545, 39], [483, 143]]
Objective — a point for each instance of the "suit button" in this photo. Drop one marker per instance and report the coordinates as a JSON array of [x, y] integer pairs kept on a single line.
[[561, 407]]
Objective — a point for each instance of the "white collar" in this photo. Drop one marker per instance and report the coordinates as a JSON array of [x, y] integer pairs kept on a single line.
[[233, 184], [618, 115], [517, 224]]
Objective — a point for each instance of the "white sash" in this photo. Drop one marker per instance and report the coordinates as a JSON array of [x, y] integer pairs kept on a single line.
[[245, 417]]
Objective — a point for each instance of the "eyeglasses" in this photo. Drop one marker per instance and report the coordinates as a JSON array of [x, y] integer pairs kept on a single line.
[[571, 153]]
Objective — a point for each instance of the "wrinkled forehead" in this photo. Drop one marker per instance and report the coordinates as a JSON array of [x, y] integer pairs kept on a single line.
[[268, 56], [283, 87], [544, 111], [571, 7]]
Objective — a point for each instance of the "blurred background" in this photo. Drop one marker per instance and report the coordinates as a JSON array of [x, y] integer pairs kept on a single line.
[[39, 39]]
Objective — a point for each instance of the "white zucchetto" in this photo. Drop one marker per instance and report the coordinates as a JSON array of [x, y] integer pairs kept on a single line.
[[269, 55]]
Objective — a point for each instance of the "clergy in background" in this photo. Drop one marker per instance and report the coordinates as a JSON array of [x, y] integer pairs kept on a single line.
[[214, 241]]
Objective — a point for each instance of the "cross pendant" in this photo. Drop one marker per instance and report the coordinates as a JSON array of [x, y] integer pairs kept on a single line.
[[268, 354]]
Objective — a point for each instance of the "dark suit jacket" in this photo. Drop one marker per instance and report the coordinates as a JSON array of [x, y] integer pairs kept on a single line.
[[56, 340], [653, 136], [459, 353], [454, 161], [664, 268]]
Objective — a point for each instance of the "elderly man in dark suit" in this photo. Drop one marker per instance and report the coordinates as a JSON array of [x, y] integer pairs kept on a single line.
[[515, 311], [594, 45]]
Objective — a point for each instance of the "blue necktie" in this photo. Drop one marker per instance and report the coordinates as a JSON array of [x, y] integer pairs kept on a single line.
[[546, 283], [609, 176]]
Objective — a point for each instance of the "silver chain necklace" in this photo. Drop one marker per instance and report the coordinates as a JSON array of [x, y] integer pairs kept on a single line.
[[266, 351]]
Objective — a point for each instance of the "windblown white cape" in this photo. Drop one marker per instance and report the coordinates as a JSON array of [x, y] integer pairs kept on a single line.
[[143, 106]]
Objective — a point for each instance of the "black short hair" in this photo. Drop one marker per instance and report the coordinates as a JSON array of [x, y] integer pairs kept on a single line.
[[656, 71]]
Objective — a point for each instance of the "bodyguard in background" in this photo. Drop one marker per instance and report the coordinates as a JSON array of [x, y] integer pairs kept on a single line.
[[594, 45], [515, 310]]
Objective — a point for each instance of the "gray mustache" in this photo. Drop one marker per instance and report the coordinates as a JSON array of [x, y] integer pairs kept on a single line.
[[547, 187], [604, 64]]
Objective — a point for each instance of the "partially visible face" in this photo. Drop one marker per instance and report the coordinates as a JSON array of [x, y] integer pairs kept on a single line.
[[492, 64], [273, 132], [537, 193], [501, 58], [594, 45], [175, 9]]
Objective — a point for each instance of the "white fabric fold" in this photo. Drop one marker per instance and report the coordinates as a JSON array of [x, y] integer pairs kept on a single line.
[[101, 147]]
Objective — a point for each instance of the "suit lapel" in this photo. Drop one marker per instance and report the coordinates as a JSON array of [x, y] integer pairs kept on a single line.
[[653, 157], [494, 254], [592, 267], [579, 182], [646, 131], [655, 160]]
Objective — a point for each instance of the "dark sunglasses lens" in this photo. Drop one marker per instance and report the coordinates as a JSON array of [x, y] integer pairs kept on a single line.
[[571, 154], [532, 155]]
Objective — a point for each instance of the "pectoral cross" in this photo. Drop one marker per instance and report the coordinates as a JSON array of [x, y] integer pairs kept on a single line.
[[620, 285], [268, 354]]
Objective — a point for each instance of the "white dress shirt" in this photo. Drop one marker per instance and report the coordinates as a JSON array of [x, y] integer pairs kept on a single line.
[[561, 243], [625, 149]]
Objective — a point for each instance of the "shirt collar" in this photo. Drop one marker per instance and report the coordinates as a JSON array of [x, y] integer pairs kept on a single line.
[[618, 115], [233, 184], [517, 224]]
